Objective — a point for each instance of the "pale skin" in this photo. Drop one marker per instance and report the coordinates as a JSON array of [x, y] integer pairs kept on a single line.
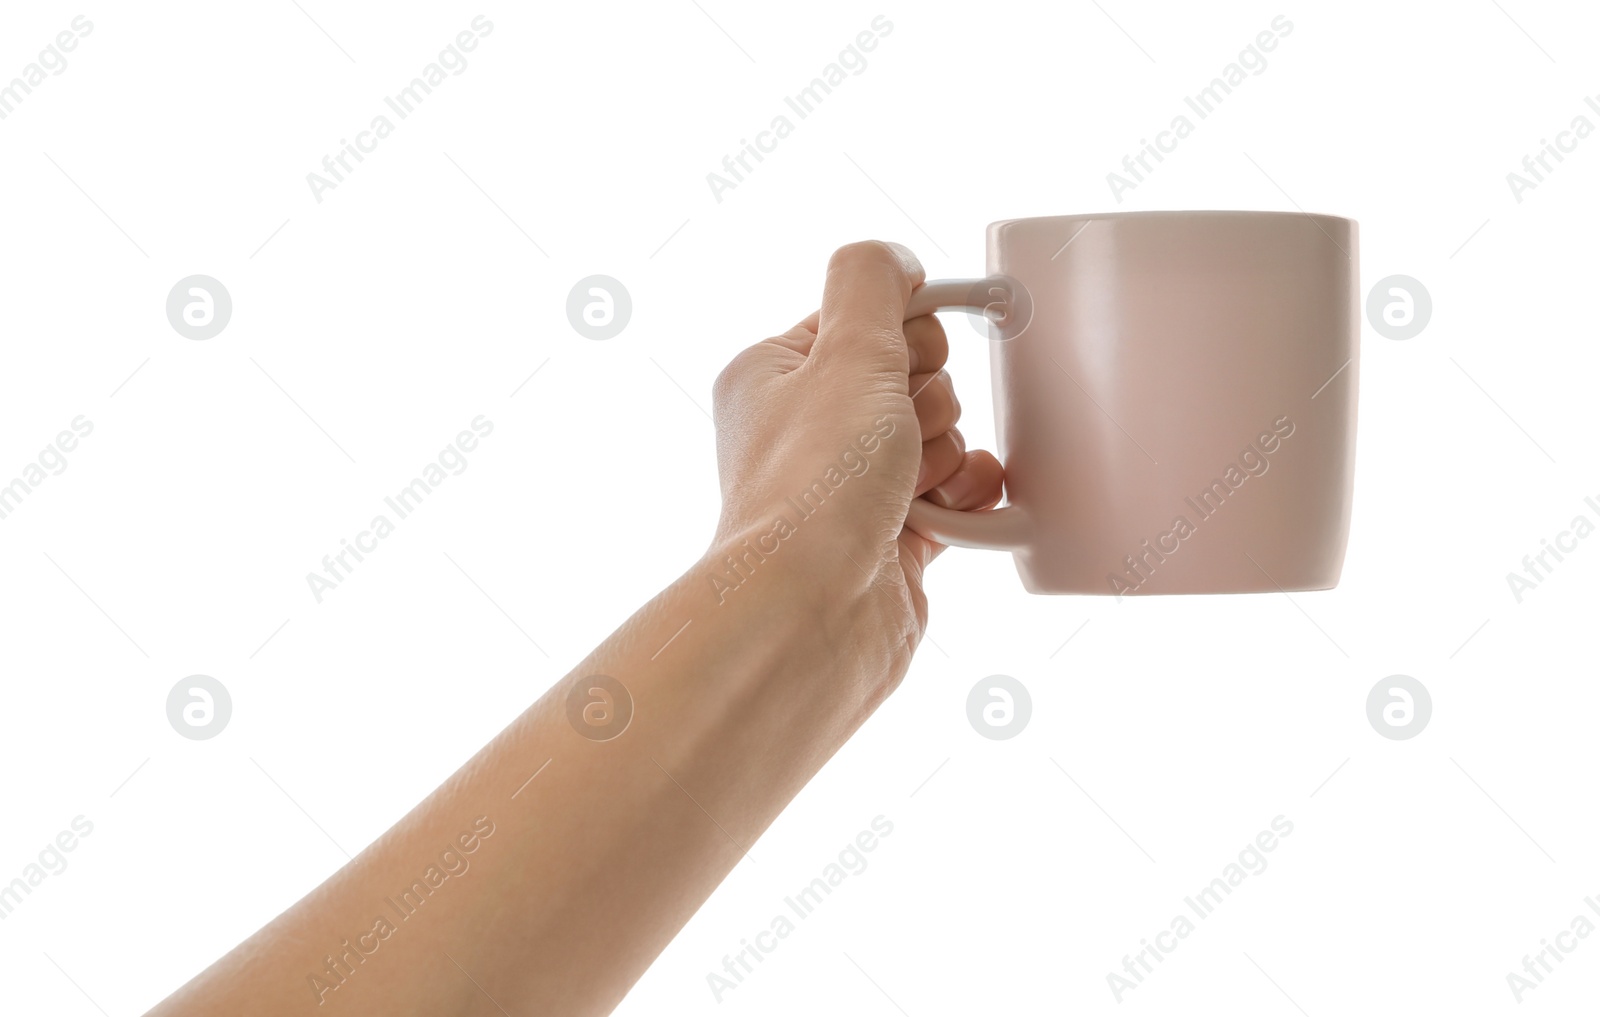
[[598, 861]]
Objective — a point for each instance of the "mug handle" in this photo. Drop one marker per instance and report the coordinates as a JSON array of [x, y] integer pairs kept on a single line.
[[998, 529]]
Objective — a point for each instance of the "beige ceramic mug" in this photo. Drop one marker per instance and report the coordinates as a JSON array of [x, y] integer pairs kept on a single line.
[[1175, 400]]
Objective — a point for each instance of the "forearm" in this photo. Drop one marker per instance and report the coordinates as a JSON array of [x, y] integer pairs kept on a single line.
[[595, 863]]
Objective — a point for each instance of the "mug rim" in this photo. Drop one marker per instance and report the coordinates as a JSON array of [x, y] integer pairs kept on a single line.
[[1174, 214]]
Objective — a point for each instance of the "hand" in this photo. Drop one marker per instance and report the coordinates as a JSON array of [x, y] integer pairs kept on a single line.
[[825, 434]]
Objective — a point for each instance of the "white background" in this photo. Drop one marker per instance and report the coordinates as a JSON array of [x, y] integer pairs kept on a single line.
[[425, 290]]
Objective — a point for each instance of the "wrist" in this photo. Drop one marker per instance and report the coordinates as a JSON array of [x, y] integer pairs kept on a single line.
[[819, 601], [788, 563], [766, 654]]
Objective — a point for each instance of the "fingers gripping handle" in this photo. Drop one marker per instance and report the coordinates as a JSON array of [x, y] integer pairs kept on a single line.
[[1000, 529]]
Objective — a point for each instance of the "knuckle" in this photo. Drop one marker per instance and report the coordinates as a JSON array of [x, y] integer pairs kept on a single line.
[[863, 252], [730, 380]]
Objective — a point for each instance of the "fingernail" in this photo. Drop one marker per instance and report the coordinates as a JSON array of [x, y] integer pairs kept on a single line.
[[951, 492], [913, 360]]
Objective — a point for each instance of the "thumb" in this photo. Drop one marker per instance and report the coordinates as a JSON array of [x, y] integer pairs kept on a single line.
[[864, 305]]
